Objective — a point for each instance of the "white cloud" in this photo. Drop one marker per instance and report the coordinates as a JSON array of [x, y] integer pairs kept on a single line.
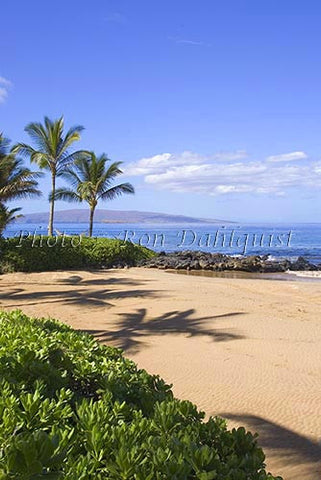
[[4, 88], [186, 41], [287, 157], [224, 173], [157, 163]]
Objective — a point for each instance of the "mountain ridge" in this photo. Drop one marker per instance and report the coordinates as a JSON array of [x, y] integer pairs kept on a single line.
[[114, 216]]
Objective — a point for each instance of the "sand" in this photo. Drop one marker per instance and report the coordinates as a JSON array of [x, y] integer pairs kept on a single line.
[[249, 350]]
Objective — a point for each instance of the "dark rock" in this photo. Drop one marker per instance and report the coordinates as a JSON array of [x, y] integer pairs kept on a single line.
[[195, 265], [197, 260], [302, 264]]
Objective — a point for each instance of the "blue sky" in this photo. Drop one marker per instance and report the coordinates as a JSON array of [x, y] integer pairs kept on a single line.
[[214, 107]]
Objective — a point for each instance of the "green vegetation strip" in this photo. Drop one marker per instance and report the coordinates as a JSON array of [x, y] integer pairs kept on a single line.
[[74, 409], [37, 254]]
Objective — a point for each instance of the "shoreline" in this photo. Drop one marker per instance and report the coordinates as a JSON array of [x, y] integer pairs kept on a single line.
[[291, 276]]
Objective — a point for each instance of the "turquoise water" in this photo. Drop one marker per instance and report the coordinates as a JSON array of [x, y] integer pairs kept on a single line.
[[277, 240]]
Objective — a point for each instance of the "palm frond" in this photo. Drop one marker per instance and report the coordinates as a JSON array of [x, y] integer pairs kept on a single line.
[[40, 137], [16, 180], [72, 176], [7, 216], [23, 149], [73, 135], [66, 195], [110, 174], [68, 160], [116, 191]]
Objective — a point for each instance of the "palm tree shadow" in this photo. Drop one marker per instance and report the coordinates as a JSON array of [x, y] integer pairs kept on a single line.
[[78, 280], [96, 298], [135, 327], [297, 448]]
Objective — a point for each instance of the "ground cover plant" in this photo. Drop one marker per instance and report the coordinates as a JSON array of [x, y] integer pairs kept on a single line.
[[71, 408]]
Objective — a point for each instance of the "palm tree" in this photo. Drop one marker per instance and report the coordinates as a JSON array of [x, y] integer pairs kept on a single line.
[[91, 180], [51, 152], [16, 182], [7, 216]]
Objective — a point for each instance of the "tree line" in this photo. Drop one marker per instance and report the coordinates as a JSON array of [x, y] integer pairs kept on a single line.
[[90, 177]]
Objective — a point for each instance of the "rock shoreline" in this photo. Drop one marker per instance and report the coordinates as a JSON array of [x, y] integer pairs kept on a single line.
[[218, 262]]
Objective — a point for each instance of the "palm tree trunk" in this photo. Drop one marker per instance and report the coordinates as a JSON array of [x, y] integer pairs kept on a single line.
[[52, 205], [91, 221]]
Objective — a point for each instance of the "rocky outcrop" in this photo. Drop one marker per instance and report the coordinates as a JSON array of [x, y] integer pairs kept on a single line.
[[196, 260]]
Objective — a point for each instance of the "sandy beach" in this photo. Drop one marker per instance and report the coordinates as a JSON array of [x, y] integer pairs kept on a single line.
[[245, 349]]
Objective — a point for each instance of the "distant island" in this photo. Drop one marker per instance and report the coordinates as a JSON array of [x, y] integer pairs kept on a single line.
[[115, 216]]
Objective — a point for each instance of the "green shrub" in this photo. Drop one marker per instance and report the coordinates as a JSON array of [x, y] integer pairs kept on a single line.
[[54, 253], [77, 410]]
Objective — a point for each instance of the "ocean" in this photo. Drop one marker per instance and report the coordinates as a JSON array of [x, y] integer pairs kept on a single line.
[[277, 240]]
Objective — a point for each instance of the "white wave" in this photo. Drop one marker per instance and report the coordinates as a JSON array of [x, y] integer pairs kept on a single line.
[[312, 274], [272, 258]]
